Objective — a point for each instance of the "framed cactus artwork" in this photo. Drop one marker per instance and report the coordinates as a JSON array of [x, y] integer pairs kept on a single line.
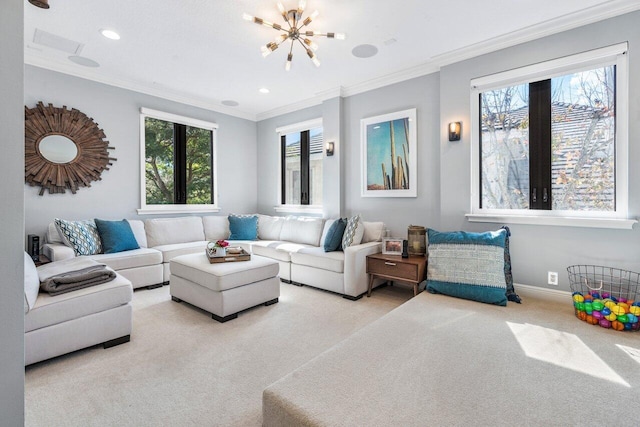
[[388, 153]]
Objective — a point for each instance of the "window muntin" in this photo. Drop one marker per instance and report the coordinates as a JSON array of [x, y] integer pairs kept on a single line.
[[178, 163], [592, 83]]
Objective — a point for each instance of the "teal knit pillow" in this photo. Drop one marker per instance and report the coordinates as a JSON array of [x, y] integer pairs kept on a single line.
[[333, 240], [116, 236], [243, 227]]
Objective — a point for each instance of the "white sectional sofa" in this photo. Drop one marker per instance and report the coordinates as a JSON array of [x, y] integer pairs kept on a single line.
[[60, 324], [295, 242]]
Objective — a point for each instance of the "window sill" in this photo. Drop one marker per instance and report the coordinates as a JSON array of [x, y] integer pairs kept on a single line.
[[177, 209], [304, 209], [614, 223]]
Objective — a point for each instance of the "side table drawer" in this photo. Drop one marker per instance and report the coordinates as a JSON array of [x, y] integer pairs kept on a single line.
[[394, 269]]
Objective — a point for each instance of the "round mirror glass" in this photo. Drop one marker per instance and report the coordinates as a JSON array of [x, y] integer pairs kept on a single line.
[[58, 149]]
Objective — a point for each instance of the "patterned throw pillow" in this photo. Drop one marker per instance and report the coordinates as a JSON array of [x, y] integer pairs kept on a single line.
[[351, 232], [468, 265], [82, 236]]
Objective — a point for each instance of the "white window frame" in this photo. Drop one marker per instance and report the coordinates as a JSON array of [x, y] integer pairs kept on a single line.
[[146, 209], [611, 55], [284, 130]]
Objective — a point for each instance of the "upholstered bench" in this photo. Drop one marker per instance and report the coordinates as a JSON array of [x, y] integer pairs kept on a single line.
[[226, 288]]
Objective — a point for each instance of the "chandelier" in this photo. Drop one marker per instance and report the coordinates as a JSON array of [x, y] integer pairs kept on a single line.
[[295, 31]]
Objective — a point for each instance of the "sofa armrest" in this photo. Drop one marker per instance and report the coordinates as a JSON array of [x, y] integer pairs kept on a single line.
[[58, 251], [355, 267]]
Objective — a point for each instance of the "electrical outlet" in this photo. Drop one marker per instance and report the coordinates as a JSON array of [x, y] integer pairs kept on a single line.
[[552, 278]]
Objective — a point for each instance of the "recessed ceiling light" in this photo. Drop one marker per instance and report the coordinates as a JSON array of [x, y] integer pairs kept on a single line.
[[81, 60], [230, 103], [264, 90], [110, 34], [364, 51]]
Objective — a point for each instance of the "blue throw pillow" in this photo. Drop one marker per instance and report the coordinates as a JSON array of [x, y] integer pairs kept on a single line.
[[333, 240], [243, 227], [116, 236], [468, 265]]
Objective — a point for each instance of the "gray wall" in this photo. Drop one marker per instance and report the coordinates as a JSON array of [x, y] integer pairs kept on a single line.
[[397, 213], [117, 112], [538, 249], [12, 213]]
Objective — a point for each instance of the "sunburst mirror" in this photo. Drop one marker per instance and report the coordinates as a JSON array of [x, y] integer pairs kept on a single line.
[[64, 149]]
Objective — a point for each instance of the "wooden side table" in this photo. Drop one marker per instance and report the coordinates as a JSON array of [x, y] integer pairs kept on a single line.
[[394, 267]]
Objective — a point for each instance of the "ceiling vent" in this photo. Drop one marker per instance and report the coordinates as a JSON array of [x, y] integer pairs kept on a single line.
[[56, 42]]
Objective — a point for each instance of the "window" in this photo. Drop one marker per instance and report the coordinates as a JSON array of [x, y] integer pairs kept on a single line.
[[178, 170], [550, 139], [301, 157]]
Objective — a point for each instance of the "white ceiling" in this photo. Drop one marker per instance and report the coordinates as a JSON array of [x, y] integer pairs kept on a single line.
[[202, 52]]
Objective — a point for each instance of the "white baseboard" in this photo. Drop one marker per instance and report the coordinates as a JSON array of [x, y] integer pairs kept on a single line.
[[538, 292]]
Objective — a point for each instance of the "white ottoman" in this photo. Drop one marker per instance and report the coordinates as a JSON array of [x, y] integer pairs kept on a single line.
[[226, 288]]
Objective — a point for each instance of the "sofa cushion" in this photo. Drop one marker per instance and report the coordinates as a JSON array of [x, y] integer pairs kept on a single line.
[[177, 249], [317, 257], [51, 310], [243, 227], [353, 233], [215, 227], [166, 231], [82, 236], [270, 227], [302, 230], [53, 235], [333, 240], [137, 227], [467, 265], [373, 231], [31, 283], [141, 257], [277, 250], [116, 236]]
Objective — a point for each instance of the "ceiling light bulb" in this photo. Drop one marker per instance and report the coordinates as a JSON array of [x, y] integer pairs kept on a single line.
[[340, 36], [301, 5], [287, 66], [281, 8], [315, 14], [264, 90], [282, 37], [315, 61], [247, 17], [110, 34], [311, 44]]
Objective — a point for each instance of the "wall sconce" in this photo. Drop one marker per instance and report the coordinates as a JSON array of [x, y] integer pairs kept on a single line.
[[329, 148], [44, 4], [454, 131]]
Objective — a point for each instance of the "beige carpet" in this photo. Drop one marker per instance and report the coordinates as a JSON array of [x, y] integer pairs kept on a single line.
[[182, 368]]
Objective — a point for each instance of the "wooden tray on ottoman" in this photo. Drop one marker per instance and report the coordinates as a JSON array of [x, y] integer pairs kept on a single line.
[[242, 256]]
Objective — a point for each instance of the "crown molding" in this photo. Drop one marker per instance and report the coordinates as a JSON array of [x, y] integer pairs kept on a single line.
[[289, 108], [534, 32], [389, 79], [164, 93]]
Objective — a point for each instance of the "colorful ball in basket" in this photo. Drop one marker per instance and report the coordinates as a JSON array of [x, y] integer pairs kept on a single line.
[[588, 307], [605, 295], [606, 311], [611, 317], [618, 326], [605, 323], [597, 315], [577, 297], [593, 321], [582, 315], [595, 295], [618, 310], [632, 318], [598, 305]]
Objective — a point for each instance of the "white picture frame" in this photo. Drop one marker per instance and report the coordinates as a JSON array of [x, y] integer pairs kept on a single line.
[[383, 138]]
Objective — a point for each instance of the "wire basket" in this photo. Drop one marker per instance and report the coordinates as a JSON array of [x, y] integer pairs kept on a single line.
[[606, 296]]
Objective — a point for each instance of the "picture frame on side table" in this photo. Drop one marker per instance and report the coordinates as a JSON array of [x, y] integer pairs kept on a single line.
[[391, 246], [388, 155]]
